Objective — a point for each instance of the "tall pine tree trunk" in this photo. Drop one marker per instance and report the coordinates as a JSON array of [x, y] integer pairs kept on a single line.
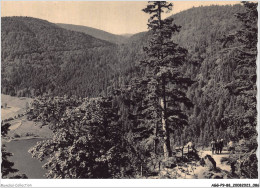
[[156, 139], [165, 152], [166, 145]]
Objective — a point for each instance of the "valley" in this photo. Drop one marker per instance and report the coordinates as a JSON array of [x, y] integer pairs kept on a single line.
[[87, 104]]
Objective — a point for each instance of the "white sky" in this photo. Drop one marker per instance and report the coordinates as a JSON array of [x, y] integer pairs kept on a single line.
[[118, 17]]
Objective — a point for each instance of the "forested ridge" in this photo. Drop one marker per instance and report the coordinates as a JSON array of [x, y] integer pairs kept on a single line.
[[112, 91], [97, 33]]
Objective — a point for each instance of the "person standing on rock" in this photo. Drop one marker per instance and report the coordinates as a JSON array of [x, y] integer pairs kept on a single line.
[[217, 146], [213, 145], [231, 147]]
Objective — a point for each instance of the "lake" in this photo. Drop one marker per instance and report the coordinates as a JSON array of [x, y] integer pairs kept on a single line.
[[23, 160]]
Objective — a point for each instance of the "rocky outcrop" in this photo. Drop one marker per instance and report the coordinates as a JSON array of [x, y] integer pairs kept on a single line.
[[209, 174]]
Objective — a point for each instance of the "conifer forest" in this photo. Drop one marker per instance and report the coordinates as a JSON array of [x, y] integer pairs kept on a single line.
[[175, 102]]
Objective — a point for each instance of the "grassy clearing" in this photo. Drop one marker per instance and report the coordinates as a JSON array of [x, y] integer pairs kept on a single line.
[[14, 106], [25, 128], [20, 126]]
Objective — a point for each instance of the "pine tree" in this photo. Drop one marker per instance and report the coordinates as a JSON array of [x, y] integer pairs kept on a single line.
[[163, 78], [87, 141]]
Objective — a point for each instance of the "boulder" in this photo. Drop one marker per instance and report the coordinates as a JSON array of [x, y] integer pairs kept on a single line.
[[170, 162], [210, 162]]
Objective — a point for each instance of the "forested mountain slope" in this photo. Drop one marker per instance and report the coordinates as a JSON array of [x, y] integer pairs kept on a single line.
[[39, 57], [211, 70], [97, 33], [201, 27]]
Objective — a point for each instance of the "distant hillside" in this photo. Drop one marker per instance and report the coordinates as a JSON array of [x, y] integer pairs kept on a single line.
[[39, 56], [118, 39], [127, 35], [36, 35]]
